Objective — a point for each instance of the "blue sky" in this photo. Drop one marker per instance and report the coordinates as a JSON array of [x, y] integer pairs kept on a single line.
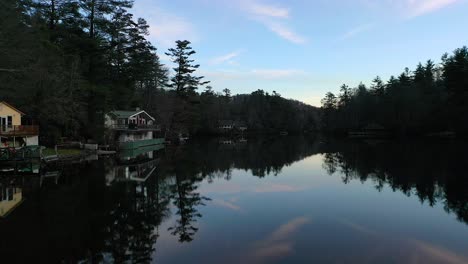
[[302, 49]]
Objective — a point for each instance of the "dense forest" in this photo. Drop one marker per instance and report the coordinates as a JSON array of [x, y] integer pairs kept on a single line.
[[431, 99], [67, 62]]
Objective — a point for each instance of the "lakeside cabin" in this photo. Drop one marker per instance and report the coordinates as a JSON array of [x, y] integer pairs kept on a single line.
[[370, 131], [13, 133], [133, 129], [230, 125]]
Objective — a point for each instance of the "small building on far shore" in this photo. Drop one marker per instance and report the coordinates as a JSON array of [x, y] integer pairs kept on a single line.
[[133, 129], [13, 133], [231, 125], [372, 130]]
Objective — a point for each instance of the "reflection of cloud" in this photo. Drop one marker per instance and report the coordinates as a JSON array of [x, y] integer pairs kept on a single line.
[[428, 253], [272, 188], [403, 250], [225, 188], [274, 250], [226, 204], [359, 228], [279, 243], [286, 230]]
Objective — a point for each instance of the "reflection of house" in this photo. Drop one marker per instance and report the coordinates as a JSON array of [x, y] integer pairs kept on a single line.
[[242, 126], [370, 131], [133, 129], [10, 198], [143, 153], [12, 132], [135, 172], [135, 165], [227, 141]]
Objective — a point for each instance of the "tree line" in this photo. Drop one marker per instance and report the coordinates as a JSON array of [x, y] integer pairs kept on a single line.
[[430, 99], [67, 62]]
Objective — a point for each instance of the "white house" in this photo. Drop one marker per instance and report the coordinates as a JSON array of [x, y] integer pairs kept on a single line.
[[133, 129]]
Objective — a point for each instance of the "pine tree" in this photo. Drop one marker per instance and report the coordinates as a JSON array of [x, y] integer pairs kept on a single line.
[[378, 87], [184, 82]]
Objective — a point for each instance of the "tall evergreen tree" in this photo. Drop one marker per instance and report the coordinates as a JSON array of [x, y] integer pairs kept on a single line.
[[183, 81]]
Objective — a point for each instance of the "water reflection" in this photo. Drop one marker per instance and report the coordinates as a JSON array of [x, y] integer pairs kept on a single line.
[[121, 210], [10, 197], [434, 172]]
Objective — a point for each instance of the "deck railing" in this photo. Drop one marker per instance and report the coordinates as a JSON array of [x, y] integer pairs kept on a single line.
[[19, 130], [135, 127]]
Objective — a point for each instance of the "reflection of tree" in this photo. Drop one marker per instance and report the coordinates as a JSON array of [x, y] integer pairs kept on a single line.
[[138, 209], [208, 160], [261, 156], [433, 172], [186, 199], [83, 218]]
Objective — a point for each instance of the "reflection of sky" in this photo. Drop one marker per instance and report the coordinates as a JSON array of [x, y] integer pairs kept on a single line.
[[304, 214]]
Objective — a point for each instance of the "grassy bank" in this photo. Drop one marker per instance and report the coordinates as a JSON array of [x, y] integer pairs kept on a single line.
[[61, 152]]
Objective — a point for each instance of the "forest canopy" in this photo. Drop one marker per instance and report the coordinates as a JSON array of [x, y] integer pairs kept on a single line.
[[67, 62], [431, 99]]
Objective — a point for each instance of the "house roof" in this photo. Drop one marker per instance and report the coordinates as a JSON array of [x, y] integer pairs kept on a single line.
[[128, 114], [12, 107]]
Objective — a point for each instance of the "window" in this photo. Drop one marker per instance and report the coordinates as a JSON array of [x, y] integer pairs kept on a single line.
[[10, 121]]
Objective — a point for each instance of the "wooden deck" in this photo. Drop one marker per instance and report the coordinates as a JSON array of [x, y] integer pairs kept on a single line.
[[18, 131]]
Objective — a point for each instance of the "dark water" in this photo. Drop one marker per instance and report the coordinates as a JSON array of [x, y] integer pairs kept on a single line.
[[283, 200]]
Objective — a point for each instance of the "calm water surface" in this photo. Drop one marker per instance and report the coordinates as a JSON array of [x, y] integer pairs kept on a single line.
[[279, 200]]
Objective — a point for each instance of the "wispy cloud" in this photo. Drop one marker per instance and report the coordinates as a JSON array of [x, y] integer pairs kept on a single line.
[[268, 74], [277, 73], [274, 18], [408, 9], [164, 58], [227, 58], [285, 32], [357, 30], [421, 7], [165, 27], [269, 10]]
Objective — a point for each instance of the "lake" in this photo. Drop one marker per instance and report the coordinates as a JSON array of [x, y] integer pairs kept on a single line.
[[264, 200]]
